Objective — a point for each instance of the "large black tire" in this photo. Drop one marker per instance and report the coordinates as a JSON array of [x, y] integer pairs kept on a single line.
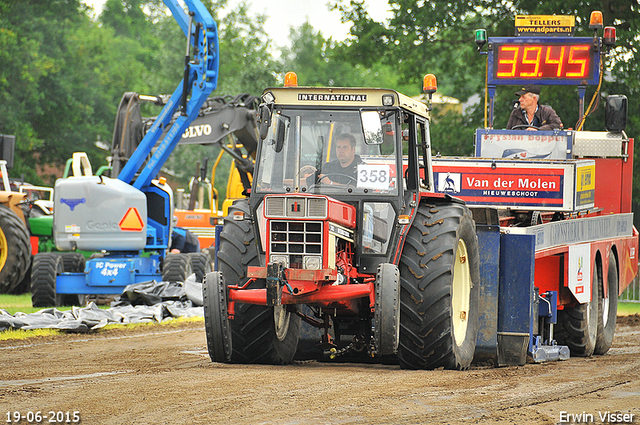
[[200, 264], [176, 268], [216, 318], [578, 325], [73, 262], [387, 309], [25, 284], [439, 275], [607, 308], [259, 334], [46, 267], [15, 250]]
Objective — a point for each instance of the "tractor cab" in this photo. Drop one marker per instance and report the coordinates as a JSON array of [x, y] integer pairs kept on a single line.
[[322, 146]]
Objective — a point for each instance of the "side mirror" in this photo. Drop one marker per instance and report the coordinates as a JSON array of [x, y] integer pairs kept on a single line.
[[615, 113], [371, 127], [264, 120]]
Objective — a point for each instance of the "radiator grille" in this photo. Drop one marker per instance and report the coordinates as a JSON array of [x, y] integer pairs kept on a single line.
[[295, 239]]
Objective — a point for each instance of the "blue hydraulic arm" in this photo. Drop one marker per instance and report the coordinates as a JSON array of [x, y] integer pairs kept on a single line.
[[201, 77]]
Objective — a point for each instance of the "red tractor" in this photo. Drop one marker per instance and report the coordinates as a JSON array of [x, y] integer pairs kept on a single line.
[[340, 222]]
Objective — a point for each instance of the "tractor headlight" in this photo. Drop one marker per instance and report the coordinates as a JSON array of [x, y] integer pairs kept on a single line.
[[312, 263], [282, 259]]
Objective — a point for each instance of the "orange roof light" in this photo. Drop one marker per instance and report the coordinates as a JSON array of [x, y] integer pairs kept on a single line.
[[290, 79], [429, 83], [595, 22]]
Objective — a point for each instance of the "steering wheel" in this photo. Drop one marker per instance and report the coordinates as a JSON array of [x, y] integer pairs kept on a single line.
[[355, 181], [516, 127]]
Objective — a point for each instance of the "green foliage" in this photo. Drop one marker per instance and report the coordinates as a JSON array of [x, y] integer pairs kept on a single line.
[[321, 62]]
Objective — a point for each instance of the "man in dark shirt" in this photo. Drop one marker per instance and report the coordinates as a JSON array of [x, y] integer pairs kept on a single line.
[[183, 240], [531, 114], [343, 170]]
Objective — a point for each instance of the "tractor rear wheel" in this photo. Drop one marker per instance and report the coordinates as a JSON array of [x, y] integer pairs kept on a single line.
[[176, 268], [439, 275], [578, 325], [387, 309], [15, 250], [44, 271], [200, 264], [214, 292], [608, 308], [259, 334]]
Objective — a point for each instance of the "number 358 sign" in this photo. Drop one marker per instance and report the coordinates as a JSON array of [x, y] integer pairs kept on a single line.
[[374, 176]]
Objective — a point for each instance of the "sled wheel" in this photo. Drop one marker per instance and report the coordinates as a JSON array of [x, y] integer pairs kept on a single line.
[[608, 308], [439, 277], [387, 309], [216, 318], [259, 334], [176, 268], [45, 269], [578, 325], [200, 264], [15, 250]]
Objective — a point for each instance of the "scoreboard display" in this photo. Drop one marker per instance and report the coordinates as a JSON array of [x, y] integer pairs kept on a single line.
[[557, 60]]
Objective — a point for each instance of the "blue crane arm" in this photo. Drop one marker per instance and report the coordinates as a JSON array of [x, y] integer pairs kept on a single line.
[[202, 80]]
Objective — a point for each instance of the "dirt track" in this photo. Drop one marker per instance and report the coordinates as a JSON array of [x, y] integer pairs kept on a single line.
[[163, 375]]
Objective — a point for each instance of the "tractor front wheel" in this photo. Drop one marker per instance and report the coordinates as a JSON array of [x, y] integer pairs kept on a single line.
[[387, 309], [214, 292], [259, 334]]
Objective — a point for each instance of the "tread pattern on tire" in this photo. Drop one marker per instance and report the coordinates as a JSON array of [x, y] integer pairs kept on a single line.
[[18, 250], [253, 328], [73, 262], [46, 266], [176, 267], [214, 293], [200, 264], [427, 338], [387, 309]]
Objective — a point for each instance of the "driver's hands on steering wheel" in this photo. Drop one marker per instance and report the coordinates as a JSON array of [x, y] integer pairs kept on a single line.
[[528, 127], [325, 179]]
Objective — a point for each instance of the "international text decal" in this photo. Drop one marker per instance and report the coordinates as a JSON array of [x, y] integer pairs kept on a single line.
[[332, 97]]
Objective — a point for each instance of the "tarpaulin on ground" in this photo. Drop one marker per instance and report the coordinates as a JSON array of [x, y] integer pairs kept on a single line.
[[139, 303]]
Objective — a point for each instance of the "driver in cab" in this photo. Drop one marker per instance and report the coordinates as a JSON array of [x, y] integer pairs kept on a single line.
[[530, 115], [344, 169]]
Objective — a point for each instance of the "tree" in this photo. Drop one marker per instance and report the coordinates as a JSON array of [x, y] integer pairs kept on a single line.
[[46, 97], [321, 62]]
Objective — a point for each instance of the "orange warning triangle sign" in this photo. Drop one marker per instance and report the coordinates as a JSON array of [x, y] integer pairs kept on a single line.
[[131, 221]]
